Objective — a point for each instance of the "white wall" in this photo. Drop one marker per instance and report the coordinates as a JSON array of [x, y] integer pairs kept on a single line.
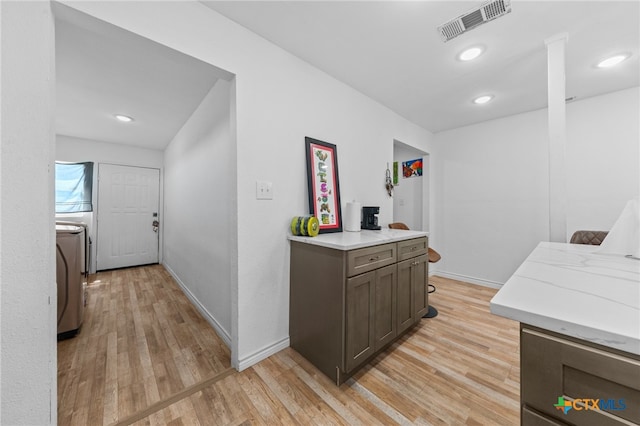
[[198, 185], [492, 183], [603, 157], [73, 149], [409, 193], [76, 149], [28, 293], [279, 100]]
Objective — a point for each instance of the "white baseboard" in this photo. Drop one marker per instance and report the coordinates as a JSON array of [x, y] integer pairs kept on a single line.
[[205, 313], [465, 278], [261, 354]]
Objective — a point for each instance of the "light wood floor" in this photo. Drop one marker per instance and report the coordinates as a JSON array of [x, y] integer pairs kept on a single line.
[[142, 341], [459, 368]]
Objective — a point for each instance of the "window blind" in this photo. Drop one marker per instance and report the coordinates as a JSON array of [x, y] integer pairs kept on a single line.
[[74, 187]]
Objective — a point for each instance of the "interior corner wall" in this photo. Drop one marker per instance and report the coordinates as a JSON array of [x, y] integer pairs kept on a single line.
[[492, 186], [197, 210], [28, 298], [74, 149], [492, 199]]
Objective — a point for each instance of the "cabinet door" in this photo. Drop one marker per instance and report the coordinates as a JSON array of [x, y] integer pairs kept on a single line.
[[420, 294], [404, 304], [385, 325], [359, 339]]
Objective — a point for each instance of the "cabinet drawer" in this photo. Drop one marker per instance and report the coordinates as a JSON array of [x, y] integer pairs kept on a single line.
[[532, 418], [370, 258], [412, 248], [554, 366]]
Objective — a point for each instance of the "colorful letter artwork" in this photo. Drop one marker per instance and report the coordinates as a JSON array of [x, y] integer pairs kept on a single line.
[[324, 193], [324, 184]]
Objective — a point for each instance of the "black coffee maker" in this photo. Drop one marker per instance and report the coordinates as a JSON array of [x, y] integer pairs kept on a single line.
[[369, 218]]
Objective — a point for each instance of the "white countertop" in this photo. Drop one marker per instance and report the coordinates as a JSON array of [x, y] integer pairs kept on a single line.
[[572, 290], [365, 238]]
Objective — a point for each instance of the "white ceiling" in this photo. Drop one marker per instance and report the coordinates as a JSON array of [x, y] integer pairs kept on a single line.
[[102, 70], [389, 50]]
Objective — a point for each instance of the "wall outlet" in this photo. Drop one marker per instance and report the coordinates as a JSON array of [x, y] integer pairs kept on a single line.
[[264, 190]]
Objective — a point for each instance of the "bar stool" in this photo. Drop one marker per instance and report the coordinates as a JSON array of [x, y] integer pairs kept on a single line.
[[594, 238], [433, 257]]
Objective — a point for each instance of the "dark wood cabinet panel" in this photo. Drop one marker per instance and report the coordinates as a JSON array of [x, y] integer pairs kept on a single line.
[[346, 306], [533, 418], [370, 258], [419, 287], [360, 318], [412, 291], [601, 384], [385, 306], [405, 315], [412, 248]]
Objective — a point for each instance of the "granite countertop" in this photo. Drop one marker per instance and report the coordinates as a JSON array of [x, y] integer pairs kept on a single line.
[[573, 290], [354, 240]]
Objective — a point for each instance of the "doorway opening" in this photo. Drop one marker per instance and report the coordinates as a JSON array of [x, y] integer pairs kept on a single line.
[[411, 194], [161, 298]]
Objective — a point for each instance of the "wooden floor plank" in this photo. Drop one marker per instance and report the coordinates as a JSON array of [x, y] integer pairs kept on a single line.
[[460, 368], [125, 358]]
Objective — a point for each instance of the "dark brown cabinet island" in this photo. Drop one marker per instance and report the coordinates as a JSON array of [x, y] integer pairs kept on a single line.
[[353, 293]]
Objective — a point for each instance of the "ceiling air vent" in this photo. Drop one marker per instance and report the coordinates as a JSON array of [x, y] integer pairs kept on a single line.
[[486, 12]]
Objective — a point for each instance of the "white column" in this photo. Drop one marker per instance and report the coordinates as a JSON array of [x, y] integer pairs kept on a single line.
[[557, 137]]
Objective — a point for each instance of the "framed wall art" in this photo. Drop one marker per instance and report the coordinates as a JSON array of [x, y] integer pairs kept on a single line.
[[323, 183], [412, 168]]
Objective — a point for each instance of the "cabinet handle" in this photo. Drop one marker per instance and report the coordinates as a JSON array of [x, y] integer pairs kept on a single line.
[[414, 248], [371, 259]]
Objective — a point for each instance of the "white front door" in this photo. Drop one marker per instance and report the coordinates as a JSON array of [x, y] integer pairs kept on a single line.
[[128, 201]]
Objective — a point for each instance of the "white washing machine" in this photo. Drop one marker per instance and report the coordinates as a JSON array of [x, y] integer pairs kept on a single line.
[[70, 277]]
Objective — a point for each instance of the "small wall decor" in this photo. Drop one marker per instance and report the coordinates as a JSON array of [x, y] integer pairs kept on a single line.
[[395, 173], [388, 183], [412, 168], [323, 183]]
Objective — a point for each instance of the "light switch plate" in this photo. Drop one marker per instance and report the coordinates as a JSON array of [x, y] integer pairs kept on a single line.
[[264, 190]]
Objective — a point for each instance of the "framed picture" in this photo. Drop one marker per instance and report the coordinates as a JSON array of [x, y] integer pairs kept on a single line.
[[412, 168], [323, 183]]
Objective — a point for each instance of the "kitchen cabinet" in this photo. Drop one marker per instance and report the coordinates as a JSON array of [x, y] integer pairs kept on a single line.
[[579, 335], [370, 315], [412, 291], [601, 384], [345, 304]]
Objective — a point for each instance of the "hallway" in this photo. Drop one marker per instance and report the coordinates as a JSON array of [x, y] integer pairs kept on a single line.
[[142, 343]]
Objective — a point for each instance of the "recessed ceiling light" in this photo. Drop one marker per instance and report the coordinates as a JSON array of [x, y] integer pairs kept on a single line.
[[612, 61], [470, 54], [123, 118], [482, 99]]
